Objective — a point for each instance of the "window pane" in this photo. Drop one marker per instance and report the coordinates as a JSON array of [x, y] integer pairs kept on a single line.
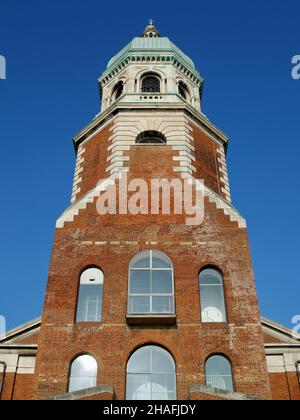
[[212, 304], [160, 260], [142, 260], [139, 304], [83, 373], [150, 285], [161, 363], [162, 282], [140, 361], [163, 304], [210, 276], [138, 387], [154, 385], [218, 365], [163, 382], [139, 282], [89, 306], [84, 366], [77, 384], [219, 373]]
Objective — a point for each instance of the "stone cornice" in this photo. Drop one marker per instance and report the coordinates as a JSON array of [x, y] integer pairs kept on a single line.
[[150, 57], [102, 119]]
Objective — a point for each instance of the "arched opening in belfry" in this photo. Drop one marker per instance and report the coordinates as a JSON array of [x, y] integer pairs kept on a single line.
[[151, 137], [150, 83], [117, 91], [183, 91]]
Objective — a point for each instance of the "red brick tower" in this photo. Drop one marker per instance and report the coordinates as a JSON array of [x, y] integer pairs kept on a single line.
[[148, 306]]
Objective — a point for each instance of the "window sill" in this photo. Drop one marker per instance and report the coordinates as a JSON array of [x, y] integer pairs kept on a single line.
[[151, 319], [88, 323]]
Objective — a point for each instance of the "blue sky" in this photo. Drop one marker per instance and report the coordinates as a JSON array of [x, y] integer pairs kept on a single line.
[[55, 52]]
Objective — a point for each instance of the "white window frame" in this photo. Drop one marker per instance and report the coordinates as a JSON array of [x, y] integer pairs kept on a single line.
[[151, 295], [97, 299], [216, 285], [150, 372], [214, 377], [93, 378]]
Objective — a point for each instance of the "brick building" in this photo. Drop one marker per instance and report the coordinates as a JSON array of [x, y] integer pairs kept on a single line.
[[144, 304]]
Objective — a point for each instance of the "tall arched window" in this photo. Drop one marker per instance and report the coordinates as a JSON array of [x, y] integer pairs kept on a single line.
[[117, 91], [89, 305], [151, 284], [83, 373], [150, 84], [183, 90], [151, 137], [151, 375], [212, 296], [218, 372]]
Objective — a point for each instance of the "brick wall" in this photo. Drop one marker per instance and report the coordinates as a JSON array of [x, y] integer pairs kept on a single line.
[[110, 242], [285, 386], [18, 387]]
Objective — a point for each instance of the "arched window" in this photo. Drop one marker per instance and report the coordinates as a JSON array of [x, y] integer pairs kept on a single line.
[[151, 375], [117, 91], [89, 306], [183, 90], [218, 372], [150, 84], [150, 137], [151, 285], [83, 373], [298, 370], [212, 296]]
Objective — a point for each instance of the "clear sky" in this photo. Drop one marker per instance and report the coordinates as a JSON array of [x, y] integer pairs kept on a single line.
[[55, 51]]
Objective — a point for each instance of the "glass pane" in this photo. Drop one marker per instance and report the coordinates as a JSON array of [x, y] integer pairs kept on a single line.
[[160, 260], [163, 382], [92, 310], [83, 373], [218, 365], [162, 304], [89, 306], [84, 366], [140, 361], [210, 276], [77, 384], [220, 382], [139, 282], [162, 361], [138, 387], [212, 304], [162, 282], [142, 260], [219, 373], [139, 304], [158, 383], [156, 396]]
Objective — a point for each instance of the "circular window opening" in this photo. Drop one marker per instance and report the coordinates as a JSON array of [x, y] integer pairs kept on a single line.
[[151, 137]]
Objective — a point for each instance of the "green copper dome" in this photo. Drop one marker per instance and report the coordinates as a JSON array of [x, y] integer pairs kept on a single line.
[[157, 46], [151, 47]]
